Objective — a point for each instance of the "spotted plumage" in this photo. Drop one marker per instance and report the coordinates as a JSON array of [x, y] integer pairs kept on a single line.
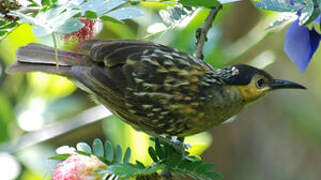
[[155, 88]]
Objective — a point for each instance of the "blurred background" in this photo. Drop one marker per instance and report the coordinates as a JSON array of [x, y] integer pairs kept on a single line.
[[277, 138]]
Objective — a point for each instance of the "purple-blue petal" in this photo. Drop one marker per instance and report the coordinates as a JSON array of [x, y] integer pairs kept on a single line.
[[318, 19], [300, 44]]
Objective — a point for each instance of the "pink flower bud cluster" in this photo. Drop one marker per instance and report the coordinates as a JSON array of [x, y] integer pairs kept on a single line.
[[79, 167]]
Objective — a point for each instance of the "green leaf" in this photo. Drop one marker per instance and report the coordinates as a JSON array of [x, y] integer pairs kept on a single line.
[[110, 19], [100, 6], [82, 146], [196, 169], [60, 157], [40, 31], [109, 152], [127, 155], [98, 147], [83, 153], [152, 154], [125, 13], [9, 25], [140, 164], [160, 152], [45, 2], [173, 16], [125, 170], [306, 12], [119, 153], [72, 25], [2, 33], [277, 5], [200, 3], [91, 14]]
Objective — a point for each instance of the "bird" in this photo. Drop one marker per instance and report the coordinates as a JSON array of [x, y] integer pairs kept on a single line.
[[154, 88]]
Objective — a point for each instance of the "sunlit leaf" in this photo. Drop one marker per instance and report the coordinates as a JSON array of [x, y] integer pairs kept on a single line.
[[82, 146], [100, 6], [70, 26], [125, 13]]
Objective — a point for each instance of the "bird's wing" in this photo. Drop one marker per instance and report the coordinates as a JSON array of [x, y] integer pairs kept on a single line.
[[152, 82], [116, 52]]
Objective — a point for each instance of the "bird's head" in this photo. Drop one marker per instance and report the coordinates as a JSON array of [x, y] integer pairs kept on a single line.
[[253, 83]]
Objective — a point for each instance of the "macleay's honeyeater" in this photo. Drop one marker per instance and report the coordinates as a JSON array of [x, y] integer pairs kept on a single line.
[[155, 88]]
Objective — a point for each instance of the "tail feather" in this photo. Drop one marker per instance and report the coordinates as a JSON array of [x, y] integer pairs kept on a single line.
[[20, 67], [38, 57]]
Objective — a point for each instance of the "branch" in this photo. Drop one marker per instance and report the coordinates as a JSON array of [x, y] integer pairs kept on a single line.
[[201, 33]]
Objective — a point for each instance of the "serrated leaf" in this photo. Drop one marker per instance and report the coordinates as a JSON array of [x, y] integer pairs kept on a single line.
[[82, 146], [70, 26], [152, 154], [98, 147], [60, 157], [109, 152], [127, 155], [125, 13], [200, 3], [110, 19], [119, 153], [277, 5]]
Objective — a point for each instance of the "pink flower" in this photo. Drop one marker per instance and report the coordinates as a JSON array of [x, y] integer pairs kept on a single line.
[[79, 167]]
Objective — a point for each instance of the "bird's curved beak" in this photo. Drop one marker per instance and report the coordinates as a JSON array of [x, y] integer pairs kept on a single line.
[[284, 84]]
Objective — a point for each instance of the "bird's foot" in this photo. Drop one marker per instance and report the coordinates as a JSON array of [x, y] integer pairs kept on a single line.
[[176, 142]]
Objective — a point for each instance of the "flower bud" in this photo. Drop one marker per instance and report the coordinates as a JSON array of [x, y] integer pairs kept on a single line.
[[79, 167]]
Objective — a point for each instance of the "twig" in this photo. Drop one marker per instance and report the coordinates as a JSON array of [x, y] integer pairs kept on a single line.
[[201, 33]]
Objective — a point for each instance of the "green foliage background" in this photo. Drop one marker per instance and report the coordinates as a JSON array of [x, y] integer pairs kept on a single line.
[[277, 138]]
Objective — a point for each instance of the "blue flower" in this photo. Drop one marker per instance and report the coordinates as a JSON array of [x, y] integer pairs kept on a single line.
[[301, 43]]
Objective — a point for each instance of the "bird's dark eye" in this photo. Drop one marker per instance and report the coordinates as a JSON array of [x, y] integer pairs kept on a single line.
[[260, 83]]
